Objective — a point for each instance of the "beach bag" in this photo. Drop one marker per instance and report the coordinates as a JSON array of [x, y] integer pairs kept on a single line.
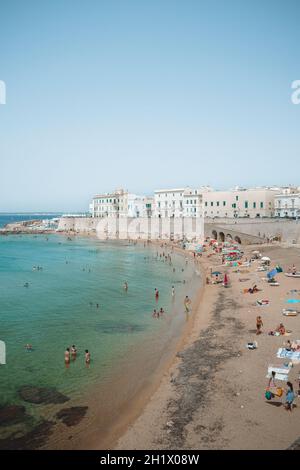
[[268, 395], [279, 392]]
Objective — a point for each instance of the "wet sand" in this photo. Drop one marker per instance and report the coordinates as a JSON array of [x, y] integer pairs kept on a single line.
[[212, 396]]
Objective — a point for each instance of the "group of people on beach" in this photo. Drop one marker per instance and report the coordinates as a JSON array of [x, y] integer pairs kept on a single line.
[[273, 389], [71, 352]]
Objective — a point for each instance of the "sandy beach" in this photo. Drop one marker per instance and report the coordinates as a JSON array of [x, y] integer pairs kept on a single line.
[[212, 396]]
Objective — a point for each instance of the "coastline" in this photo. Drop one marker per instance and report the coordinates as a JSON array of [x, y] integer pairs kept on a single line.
[[212, 396], [102, 434], [135, 409]]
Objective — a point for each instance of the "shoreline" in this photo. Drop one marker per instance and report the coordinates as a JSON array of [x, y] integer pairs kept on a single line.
[[205, 400], [128, 410], [137, 404]]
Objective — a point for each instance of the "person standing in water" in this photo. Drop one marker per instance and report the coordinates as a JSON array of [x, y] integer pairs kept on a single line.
[[125, 286], [173, 291], [156, 294], [73, 352], [67, 357], [87, 357]]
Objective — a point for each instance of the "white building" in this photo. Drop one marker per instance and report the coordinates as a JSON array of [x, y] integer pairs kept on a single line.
[[287, 205], [179, 202], [121, 203], [110, 204], [168, 202], [139, 206], [254, 202], [192, 203]]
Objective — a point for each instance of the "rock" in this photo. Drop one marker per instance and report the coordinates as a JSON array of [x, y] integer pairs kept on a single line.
[[41, 395], [31, 440], [72, 416], [11, 414]]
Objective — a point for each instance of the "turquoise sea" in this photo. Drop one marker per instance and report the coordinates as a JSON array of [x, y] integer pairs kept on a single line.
[[9, 218], [58, 309]]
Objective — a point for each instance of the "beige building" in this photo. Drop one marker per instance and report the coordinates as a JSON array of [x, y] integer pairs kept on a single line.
[[256, 202]]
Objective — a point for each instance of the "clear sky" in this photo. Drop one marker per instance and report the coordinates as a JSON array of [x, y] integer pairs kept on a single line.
[[144, 95]]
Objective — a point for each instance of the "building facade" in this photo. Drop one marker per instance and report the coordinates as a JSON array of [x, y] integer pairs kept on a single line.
[[110, 204], [179, 202], [252, 203], [287, 205], [121, 203]]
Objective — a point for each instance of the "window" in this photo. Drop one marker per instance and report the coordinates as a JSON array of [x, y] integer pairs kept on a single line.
[[246, 204], [195, 202], [236, 198], [224, 204], [254, 205], [211, 203], [205, 203], [234, 205], [261, 205], [218, 203]]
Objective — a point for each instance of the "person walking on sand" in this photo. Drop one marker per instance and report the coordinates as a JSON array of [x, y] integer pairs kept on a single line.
[[271, 381], [289, 397], [187, 303], [87, 357], [67, 357], [259, 324]]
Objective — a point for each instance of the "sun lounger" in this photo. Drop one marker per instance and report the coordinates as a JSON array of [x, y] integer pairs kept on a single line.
[[297, 275], [274, 284]]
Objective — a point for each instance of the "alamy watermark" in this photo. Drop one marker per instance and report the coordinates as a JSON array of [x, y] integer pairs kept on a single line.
[[295, 96], [2, 92], [2, 352]]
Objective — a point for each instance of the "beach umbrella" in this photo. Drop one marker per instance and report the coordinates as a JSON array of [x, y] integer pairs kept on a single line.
[[265, 258], [216, 273], [255, 252]]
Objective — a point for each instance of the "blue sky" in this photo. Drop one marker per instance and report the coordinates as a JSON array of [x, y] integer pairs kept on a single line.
[[145, 95]]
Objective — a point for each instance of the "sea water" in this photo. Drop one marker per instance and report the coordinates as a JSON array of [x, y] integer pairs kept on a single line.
[[59, 309]]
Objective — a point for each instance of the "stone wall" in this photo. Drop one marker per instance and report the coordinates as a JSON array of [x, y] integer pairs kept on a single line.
[[145, 228]]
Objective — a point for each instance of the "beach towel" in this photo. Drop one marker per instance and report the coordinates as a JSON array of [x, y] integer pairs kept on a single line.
[[281, 372], [292, 355], [293, 301]]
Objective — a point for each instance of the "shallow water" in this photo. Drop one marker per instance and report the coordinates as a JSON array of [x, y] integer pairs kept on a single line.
[[58, 309]]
